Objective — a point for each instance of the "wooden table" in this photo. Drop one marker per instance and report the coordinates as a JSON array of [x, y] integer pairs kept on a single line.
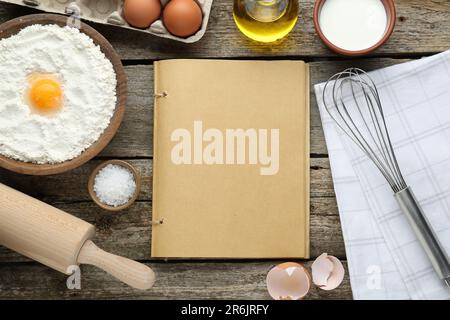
[[422, 29]]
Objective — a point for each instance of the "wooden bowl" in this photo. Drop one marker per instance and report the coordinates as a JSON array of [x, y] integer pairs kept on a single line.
[[10, 28], [137, 179], [391, 19]]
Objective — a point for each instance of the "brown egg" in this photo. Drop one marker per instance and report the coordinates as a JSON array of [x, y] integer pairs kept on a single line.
[[141, 13], [182, 18]]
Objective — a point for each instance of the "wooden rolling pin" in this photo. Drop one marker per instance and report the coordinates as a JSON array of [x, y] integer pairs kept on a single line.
[[59, 240]]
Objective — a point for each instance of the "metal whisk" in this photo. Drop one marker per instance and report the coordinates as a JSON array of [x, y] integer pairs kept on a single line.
[[352, 100]]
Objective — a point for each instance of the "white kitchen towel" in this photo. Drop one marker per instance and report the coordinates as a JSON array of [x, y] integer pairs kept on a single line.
[[385, 259]]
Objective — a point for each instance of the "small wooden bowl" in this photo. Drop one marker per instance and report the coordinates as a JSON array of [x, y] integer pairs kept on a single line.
[[137, 179], [391, 19], [12, 27]]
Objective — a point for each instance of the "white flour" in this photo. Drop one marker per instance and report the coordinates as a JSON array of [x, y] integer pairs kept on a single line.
[[88, 82]]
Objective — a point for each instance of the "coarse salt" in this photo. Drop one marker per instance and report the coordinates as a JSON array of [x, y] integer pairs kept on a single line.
[[114, 185]]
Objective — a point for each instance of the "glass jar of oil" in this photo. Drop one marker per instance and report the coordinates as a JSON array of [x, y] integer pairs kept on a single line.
[[265, 20]]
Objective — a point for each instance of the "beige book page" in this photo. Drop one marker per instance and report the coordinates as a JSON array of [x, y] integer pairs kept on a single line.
[[217, 183]]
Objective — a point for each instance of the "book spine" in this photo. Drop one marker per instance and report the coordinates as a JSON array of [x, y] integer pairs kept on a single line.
[[307, 166], [156, 107]]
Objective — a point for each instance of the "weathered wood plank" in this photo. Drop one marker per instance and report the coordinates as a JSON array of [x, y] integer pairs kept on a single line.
[[72, 186], [134, 138], [417, 31], [201, 280], [135, 135], [129, 232]]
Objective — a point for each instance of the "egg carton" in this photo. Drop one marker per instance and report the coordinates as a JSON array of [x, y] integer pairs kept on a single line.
[[110, 12]]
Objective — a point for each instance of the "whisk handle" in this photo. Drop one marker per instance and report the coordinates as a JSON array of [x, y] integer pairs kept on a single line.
[[422, 228]]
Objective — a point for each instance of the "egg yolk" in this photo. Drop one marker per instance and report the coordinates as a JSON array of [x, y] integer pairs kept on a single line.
[[45, 95]]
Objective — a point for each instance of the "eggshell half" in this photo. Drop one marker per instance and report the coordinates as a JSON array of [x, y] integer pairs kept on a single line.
[[327, 272], [288, 281]]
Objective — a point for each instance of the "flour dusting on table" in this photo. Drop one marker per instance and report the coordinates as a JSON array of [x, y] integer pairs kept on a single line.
[[88, 83]]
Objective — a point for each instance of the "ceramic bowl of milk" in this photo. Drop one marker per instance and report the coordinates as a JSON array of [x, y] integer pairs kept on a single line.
[[354, 27]]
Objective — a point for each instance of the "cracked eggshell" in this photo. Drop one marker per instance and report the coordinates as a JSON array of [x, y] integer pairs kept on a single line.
[[327, 272], [288, 281]]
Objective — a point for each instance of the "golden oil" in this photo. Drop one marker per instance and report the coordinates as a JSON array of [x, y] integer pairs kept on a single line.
[[265, 20]]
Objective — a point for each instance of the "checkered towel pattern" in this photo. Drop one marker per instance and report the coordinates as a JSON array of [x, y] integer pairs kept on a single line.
[[385, 258]]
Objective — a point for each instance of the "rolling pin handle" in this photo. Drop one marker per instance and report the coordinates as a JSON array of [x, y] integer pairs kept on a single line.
[[135, 274]]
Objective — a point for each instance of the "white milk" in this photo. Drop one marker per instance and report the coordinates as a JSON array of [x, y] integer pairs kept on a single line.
[[353, 24]]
